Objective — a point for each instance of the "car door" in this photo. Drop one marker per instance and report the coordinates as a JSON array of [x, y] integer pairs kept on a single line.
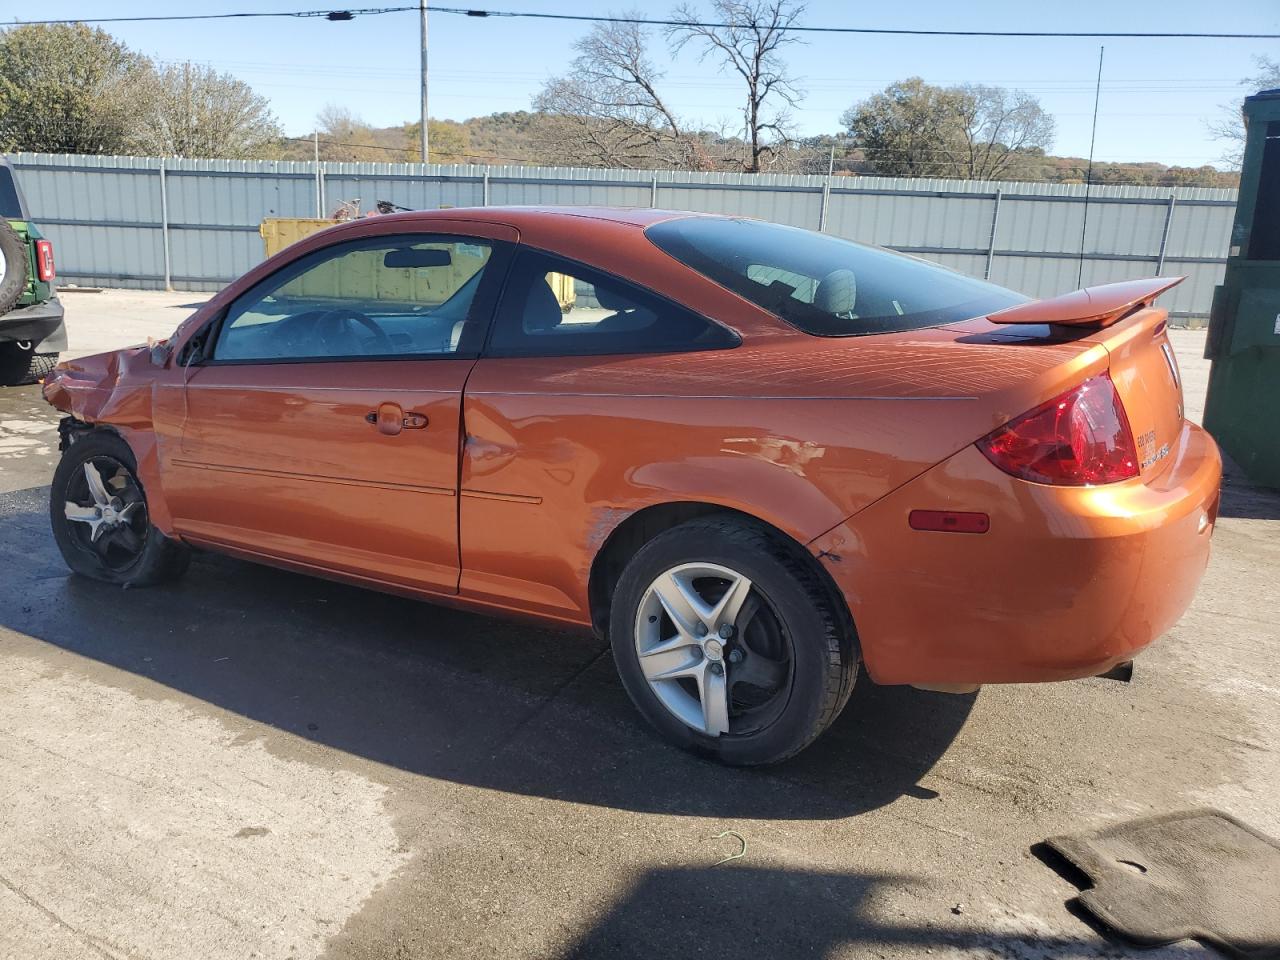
[[562, 404], [323, 427]]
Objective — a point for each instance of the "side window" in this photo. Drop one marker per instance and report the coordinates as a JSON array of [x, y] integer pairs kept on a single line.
[[383, 296], [555, 307]]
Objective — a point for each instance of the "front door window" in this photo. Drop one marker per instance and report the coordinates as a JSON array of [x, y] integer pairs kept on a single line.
[[383, 297]]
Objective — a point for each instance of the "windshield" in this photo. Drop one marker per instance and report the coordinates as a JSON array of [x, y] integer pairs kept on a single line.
[[823, 285]]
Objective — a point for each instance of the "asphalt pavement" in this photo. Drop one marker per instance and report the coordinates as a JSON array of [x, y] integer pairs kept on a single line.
[[252, 763]]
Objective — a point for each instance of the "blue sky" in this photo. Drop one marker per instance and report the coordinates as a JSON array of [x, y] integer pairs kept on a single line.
[[1157, 95]]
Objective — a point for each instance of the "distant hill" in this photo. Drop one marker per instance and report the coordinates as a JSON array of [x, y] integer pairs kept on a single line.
[[525, 137]]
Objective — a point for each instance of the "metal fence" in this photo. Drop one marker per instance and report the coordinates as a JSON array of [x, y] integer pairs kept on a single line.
[[193, 224]]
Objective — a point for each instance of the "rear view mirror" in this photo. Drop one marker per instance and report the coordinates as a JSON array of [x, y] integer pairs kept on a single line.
[[416, 257]]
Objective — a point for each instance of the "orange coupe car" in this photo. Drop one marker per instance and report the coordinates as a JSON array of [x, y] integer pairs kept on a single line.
[[752, 457]]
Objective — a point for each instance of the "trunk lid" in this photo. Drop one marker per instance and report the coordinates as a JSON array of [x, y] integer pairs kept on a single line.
[[1120, 318], [1145, 373]]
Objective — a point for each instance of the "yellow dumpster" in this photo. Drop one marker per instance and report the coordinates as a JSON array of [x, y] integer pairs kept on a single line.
[[280, 232]]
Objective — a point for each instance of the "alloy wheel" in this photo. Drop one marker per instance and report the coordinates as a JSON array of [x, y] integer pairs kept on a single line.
[[713, 650], [107, 513]]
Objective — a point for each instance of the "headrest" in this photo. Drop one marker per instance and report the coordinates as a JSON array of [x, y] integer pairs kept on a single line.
[[837, 292], [541, 308], [612, 300]]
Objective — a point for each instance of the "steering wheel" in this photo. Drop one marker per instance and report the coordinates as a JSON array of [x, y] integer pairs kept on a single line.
[[333, 329]]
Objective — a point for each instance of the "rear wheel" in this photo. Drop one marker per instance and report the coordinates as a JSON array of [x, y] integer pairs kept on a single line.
[[98, 510], [21, 364], [730, 643]]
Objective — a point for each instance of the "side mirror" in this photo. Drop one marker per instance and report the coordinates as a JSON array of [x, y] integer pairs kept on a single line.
[[160, 351], [416, 257]]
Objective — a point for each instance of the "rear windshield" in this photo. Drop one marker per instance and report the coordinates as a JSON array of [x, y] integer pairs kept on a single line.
[[10, 206], [823, 285]]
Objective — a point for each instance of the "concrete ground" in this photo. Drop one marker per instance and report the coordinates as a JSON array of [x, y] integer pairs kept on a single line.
[[256, 764]]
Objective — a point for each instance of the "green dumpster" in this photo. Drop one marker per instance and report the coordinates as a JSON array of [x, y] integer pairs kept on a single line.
[[1243, 407]]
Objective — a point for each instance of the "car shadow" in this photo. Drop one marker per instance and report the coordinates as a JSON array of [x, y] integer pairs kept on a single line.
[[735, 910], [444, 693]]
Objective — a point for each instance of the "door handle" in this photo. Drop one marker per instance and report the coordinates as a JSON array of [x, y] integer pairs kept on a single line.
[[390, 419]]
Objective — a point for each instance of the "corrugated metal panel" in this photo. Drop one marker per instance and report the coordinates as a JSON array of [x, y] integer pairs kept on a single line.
[[104, 214], [525, 191], [1200, 231]]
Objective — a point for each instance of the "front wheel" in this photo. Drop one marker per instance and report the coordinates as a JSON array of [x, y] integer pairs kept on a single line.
[[730, 642], [98, 510]]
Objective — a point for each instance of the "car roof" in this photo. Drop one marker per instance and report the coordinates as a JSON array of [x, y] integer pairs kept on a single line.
[[519, 216]]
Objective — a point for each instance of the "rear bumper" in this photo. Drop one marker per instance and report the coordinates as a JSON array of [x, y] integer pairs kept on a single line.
[[1067, 582], [40, 324]]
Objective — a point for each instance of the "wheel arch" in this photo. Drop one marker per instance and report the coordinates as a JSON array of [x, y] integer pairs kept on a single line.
[[71, 428], [155, 556], [142, 444], [641, 526]]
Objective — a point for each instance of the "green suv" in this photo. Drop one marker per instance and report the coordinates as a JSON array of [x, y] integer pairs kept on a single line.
[[31, 328]]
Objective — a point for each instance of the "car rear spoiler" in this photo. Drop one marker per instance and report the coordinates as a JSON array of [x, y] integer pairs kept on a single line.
[[1091, 307]]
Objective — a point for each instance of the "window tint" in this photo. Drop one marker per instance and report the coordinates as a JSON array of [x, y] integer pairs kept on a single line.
[[823, 285], [384, 296], [556, 307], [10, 202]]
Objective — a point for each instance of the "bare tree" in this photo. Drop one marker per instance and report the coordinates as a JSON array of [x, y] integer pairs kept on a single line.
[[1231, 130], [344, 136], [607, 109], [996, 127], [190, 110], [747, 38]]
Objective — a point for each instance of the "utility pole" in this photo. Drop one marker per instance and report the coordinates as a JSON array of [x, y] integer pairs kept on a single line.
[[315, 141], [422, 10], [831, 161]]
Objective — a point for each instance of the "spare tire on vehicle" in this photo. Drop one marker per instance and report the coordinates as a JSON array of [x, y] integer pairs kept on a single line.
[[20, 364], [13, 266]]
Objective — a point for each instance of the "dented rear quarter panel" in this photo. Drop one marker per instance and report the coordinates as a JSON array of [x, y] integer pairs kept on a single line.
[[799, 432]]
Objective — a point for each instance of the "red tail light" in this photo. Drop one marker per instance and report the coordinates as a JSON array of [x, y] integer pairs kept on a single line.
[[44, 260], [1079, 438]]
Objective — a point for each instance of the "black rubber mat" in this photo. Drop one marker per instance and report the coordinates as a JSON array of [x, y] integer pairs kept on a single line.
[[1199, 875]]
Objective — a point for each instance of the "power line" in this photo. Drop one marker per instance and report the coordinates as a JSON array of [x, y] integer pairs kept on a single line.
[[336, 15], [901, 31], [1088, 177], [348, 14]]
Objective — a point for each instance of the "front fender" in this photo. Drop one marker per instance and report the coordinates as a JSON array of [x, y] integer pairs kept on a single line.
[[116, 391]]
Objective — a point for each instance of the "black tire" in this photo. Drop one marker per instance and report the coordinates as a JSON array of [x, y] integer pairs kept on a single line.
[[814, 625], [21, 365], [155, 559], [13, 251]]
